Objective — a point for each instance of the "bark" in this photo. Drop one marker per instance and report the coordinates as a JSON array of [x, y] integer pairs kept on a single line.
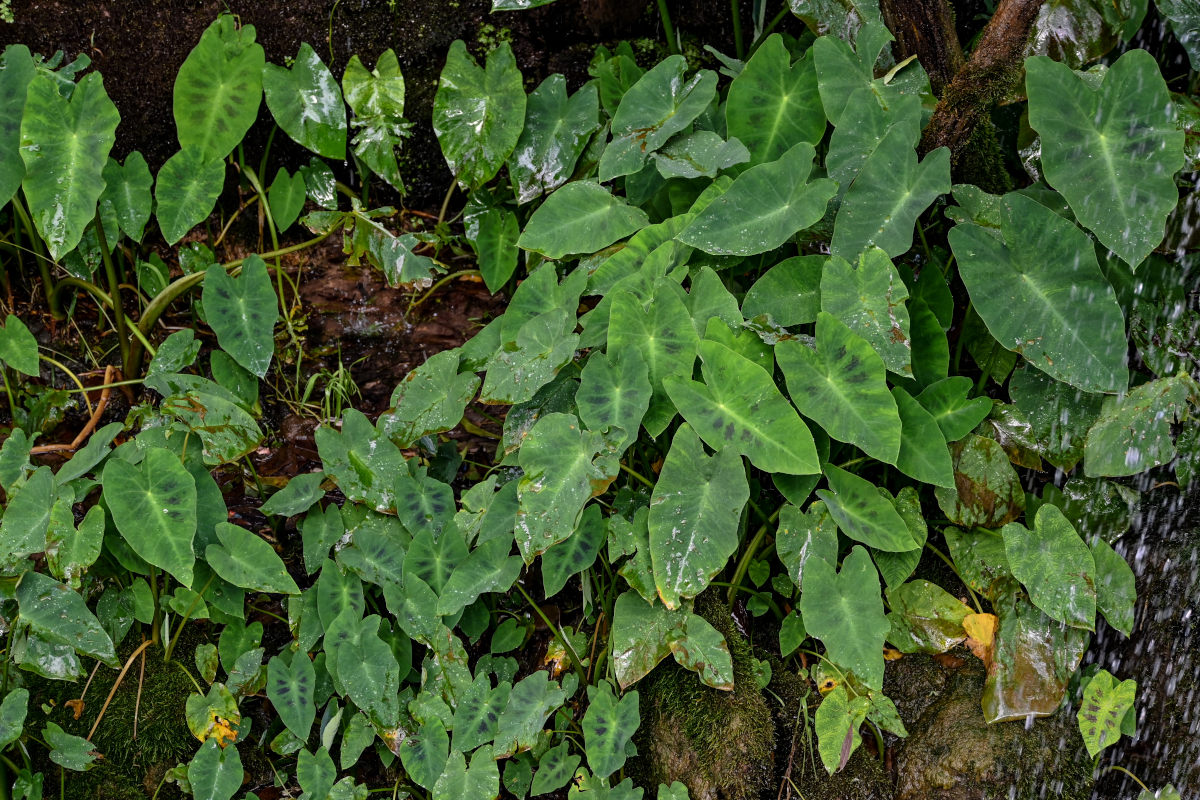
[[925, 28]]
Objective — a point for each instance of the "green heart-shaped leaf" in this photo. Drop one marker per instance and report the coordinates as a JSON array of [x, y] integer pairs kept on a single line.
[[242, 312], [187, 189], [773, 104], [291, 689], [307, 103], [247, 561], [218, 89], [557, 130], [845, 611], [154, 507], [1055, 566]]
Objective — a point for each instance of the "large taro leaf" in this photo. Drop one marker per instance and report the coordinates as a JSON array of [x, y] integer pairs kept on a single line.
[[559, 479], [218, 89], [127, 194], [188, 186], [987, 492], [16, 71], [923, 451], [1041, 293], [248, 561], [1059, 415], [763, 207], [65, 144], [538, 293], [845, 611], [694, 516], [478, 711], [430, 399], [290, 688], [543, 346], [424, 752], [947, 400], [581, 217], [1033, 659], [864, 513], [868, 118], [869, 299], [841, 71], [307, 103], [614, 393], [1184, 16], [891, 190], [661, 104], [843, 386], [154, 507], [773, 104], [58, 615], [557, 129], [1133, 433], [738, 407], [363, 462], [925, 618], [644, 634], [1104, 706], [1111, 150], [608, 727], [789, 293], [802, 536], [27, 515], [1055, 566], [478, 112], [242, 312]]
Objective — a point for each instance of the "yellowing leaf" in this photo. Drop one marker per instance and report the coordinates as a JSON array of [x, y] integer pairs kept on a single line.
[[981, 630]]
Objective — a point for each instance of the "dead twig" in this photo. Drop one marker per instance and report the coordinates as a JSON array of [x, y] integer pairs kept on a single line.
[[109, 373]]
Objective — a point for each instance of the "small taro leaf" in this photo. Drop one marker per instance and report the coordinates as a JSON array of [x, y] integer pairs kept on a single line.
[[232, 376], [1116, 593], [1133, 433], [376, 551], [60, 616], [923, 451], [1030, 291], [320, 183], [15, 464], [507, 636], [634, 538], [315, 772], [338, 592], [27, 517], [925, 618], [1055, 566], [555, 768], [1105, 703], [641, 636], [363, 462], [12, 715], [700, 154], [739, 408], [575, 554], [789, 293], [242, 312], [703, 650], [630, 259], [478, 112], [661, 104], [539, 293], [479, 781], [763, 207], [16, 71], [845, 611], [1059, 415], [18, 347], [434, 562], [988, 492], [841, 71], [368, 669], [187, 188], [774, 104], [215, 773], [896, 567], [711, 304], [694, 516], [248, 561], [478, 712], [356, 738], [863, 513], [890, 192], [176, 353], [494, 235], [70, 551], [207, 661], [947, 401], [489, 568], [307, 103], [556, 131], [65, 144], [791, 633], [127, 194], [218, 89], [804, 535], [154, 507], [869, 299], [88, 456], [930, 348], [543, 346], [66, 750], [286, 198], [1124, 193], [430, 399], [50, 660], [530, 704], [836, 724], [226, 430], [300, 493], [581, 217], [608, 726], [843, 386], [1033, 659], [555, 396], [980, 559], [614, 393], [665, 338], [560, 477]]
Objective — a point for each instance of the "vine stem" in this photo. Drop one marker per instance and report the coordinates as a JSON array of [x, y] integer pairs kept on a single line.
[[117, 684], [558, 634], [114, 288], [738, 45], [952, 566], [664, 14], [748, 556], [1137, 780], [466, 273]]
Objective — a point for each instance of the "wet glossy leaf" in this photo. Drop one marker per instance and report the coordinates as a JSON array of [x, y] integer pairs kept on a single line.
[[980, 558], [187, 189], [215, 773], [789, 293], [363, 462], [1184, 17], [738, 407], [867, 119], [581, 217], [247, 561], [869, 299], [947, 400], [773, 104], [480, 781], [845, 611], [703, 650], [763, 207], [16, 71], [841, 72], [12, 715], [863, 513], [1105, 703], [489, 568], [218, 89], [242, 312], [59, 615], [614, 394], [923, 451], [608, 727], [645, 634], [530, 704], [840, 18], [555, 768], [70, 751], [843, 387], [836, 724], [574, 555], [987, 491], [27, 517], [494, 233], [1059, 415], [65, 144], [300, 493], [805, 535], [315, 773], [897, 567], [700, 154], [424, 755], [1116, 590], [694, 516], [1055, 566], [286, 198], [478, 112], [1111, 149], [154, 507], [430, 399], [367, 668], [1040, 293], [306, 102], [557, 129], [18, 347], [661, 104], [1133, 433], [559, 479], [127, 194], [226, 430], [924, 618], [478, 712], [543, 346], [71, 550]]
